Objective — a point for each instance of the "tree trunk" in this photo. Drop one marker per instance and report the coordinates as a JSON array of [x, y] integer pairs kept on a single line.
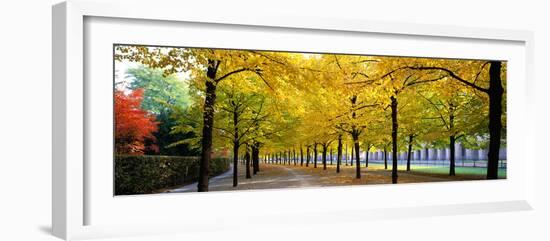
[[385, 158], [452, 157], [394, 127], [315, 155], [324, 157], [331, 156], [357, 157], [367, 156], [495, 114], [294, 155], [289, 157], [409, 153], [339, 154], [235, 162], [235, 146], [208, 125], [247, 161], [346, 155], [255, 158], [289, 153], [301, 156], [351, 156], [307, 156], [258, 159], [254, 170]]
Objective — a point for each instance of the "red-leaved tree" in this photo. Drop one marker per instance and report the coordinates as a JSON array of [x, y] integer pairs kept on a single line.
[[134, 127]]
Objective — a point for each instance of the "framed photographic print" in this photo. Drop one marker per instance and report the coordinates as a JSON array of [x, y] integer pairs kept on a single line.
[[165, 122]]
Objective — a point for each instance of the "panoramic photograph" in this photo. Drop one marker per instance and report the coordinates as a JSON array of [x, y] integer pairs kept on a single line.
[[192, 119]]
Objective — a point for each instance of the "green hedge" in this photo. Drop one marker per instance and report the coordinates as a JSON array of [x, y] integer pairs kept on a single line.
[[145, 174]]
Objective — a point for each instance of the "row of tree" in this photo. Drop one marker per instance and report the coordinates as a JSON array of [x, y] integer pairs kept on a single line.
[[272, 102]]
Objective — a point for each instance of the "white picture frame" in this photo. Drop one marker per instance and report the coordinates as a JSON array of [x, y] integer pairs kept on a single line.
[[72, 191]]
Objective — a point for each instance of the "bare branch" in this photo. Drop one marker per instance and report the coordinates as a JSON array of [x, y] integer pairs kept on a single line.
[[426, 81], [438, 111], [359, 73], [231, 73], [364, 61], [268, 57], [259, 73], [451, 74], [480, 70]]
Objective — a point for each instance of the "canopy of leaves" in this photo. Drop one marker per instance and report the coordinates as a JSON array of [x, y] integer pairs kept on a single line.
[[134, 127], [286, 100]]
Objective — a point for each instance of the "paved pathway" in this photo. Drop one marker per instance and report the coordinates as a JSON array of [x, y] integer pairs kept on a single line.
[[213, 181], [290, 176], [270, 176]]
